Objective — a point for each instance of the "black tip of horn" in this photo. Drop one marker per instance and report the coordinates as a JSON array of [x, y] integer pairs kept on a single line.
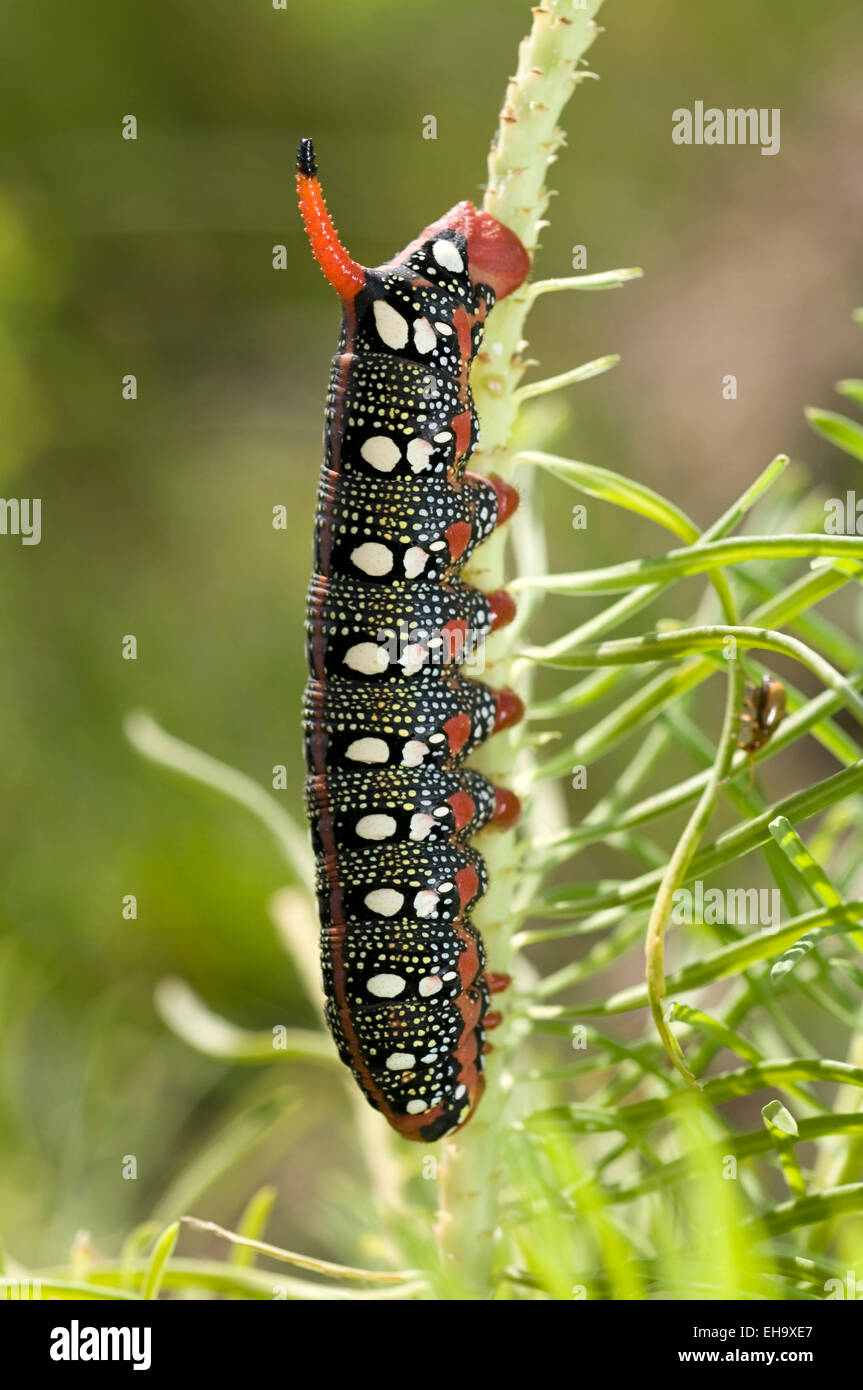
[[306, 162]]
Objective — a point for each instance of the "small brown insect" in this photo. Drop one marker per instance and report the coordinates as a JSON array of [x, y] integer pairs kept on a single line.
[[764, 708]]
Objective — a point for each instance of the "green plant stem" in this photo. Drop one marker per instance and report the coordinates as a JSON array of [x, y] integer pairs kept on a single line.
[[526, 141]]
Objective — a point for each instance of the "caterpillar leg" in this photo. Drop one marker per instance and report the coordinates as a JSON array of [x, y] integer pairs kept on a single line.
[[507, 809], [506, 496], [502, 607], [509, 709], [497, 981]]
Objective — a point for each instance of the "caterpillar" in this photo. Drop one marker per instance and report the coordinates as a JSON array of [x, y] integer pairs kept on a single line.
[[388, 717]]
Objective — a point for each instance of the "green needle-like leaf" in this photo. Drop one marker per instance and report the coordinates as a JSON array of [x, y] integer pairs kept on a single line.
[[162, 1252]]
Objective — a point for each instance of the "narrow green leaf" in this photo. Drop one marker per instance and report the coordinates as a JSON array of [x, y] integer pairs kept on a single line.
[[851, 387], [617, 489], [777, 1118], [743, 1082], [724, 1036], [323, 1267], [750, 1144], [727, 960], [717, 637], [153, 742], [253, 1223], [224, 1278], [695, 559], [134, 1246], [186, 1014], [808, 1211], [809, 716], [68, 1290], [821, 890], [603, 280], [570, 378], [841, 431], [162, 1252]]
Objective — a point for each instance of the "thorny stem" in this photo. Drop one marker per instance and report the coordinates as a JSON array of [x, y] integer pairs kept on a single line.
[[527, 139]]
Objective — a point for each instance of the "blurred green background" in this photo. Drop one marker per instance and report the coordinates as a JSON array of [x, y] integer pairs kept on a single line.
[[154, 257]]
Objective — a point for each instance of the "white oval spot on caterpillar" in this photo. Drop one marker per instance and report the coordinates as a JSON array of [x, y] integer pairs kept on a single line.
[[400, 1061], [416, 1107], [376, 827], [446, 887], [414, 752], [415, 561], [372, 558], [419, 453], [368, 750], [381, 452], [450, 975], [385, 986], [392, 327], [437, 738], [460, 1091], [425, 902], [447, 255], [443, 328], [429, 986], [438, 545], [412, 658], [421, 825], [442, 437], [386, 902], [429, 1057], [367, 658], [425, 338], [441, 810]]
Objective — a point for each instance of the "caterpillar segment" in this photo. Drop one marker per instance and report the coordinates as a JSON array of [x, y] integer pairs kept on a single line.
[[389, 714]]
